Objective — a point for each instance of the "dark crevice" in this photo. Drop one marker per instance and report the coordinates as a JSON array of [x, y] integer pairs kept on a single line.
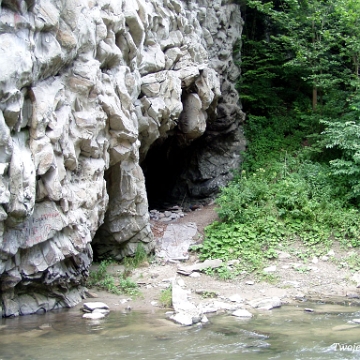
[[163, 166]]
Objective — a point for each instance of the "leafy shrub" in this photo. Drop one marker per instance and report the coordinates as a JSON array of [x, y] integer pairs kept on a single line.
[[291, 199], [103, 280]]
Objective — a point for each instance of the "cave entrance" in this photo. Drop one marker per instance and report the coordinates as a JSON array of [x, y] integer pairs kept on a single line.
[[163, 167]]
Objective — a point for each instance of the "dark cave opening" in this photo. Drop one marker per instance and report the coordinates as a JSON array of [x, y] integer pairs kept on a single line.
[[163, 166]]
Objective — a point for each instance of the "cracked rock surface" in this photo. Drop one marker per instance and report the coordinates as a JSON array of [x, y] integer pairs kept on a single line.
[[86, 90]]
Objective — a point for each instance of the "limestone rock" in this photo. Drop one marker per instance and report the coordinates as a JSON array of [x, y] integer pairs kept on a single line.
[[242, 313], [88, 90], [94, 316], [91, 306], [266, 303]]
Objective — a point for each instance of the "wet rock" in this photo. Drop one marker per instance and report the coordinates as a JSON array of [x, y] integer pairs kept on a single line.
[[266, 303], [101, 311], [182, 318], [185, 310], [309, 310], [91, 306], [94, 316], [204, 320], [217, 306], [242, 313]]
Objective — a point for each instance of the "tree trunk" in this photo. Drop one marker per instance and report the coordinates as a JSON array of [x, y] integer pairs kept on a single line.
[[314, 99]]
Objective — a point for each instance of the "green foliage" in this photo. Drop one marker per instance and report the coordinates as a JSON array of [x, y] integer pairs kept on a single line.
[[222, 272], [166, 297], [128, 286], [300, 177], [100, 278], [289, 200], [139, 257], [343, 139], [103, 280]]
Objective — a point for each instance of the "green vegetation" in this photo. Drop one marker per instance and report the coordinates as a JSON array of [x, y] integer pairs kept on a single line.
[[166, 297], [140, 257], [300, 179], [119, 285]]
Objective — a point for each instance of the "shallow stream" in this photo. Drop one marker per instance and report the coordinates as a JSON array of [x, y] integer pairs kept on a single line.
[[286, 333]]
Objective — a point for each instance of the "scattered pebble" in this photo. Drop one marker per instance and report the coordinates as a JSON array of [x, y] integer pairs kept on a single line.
[[309, 310], [195, 275], [270, 269], [172, 214], [236, 298]]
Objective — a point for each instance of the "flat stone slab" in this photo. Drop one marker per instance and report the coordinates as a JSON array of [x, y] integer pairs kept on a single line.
[[95, 305], [213, 264], [186, 312], [175, 242], [242, 313], [182, 318], [266, 303]]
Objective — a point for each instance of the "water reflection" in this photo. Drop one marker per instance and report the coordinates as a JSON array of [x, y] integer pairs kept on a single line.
[[286, 333]]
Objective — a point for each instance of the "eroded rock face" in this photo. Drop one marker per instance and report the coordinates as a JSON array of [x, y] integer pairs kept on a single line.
[[86, 89]]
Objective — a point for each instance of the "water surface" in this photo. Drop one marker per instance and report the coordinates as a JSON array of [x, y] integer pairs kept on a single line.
[[286, 333]]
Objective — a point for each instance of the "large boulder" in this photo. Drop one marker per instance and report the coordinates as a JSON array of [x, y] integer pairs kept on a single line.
[[87, 90]]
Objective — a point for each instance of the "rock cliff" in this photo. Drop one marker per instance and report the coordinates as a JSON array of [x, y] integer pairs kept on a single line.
[[93, 95]]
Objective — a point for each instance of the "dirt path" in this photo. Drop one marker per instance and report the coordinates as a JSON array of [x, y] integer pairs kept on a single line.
[[293, 279]]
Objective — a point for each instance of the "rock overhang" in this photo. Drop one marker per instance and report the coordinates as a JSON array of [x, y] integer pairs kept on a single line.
[[87, 91]]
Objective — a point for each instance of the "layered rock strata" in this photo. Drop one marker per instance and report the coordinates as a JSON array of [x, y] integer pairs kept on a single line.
[[86, 89]]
